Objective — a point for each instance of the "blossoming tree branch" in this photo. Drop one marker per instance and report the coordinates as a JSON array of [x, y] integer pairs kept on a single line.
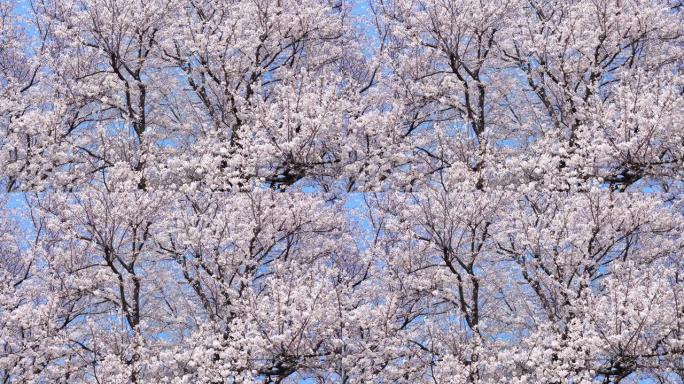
[[342, 191]]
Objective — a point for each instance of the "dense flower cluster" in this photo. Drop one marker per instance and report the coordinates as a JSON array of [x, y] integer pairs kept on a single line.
[[343, 191]]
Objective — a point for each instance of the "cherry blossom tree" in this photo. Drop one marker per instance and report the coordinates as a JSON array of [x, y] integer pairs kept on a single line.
[[341, 191], [565, 94]]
